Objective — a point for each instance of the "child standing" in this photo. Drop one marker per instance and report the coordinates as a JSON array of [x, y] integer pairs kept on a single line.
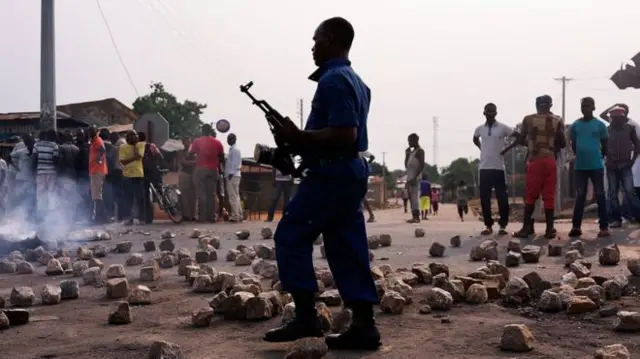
[[425, 198]]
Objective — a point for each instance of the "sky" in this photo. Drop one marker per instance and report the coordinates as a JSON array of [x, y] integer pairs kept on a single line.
[[421, 58]]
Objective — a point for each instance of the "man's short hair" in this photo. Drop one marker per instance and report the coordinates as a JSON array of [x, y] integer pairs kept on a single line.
[[588, 100], [490, 104], [414, 136], [544, 100], [341, 31]]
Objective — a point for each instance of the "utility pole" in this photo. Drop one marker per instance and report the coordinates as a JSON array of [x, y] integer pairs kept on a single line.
[[384, 182], [301, 112], [435, 141], [48, 113], [563, 179]]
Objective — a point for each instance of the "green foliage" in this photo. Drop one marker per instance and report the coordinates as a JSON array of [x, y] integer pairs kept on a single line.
[[379, 170], [460, 169], [183, 117]]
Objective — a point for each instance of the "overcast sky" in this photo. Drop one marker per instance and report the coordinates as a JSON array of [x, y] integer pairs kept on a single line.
[[421, 58]]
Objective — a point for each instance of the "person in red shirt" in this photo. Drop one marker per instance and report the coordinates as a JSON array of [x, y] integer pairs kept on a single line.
[[97, 173], [209, 155]]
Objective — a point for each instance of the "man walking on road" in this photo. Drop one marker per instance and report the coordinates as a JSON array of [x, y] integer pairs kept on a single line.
[[490, 139], [543, 134], [209, 158], [233, 173], [414, 163], [589, 143], [622, 142]]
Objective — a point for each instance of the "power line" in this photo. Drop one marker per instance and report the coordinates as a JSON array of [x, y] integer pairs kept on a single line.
[[115, 46]]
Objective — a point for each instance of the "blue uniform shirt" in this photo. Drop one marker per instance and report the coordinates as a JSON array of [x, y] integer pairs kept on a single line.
[[342, 99], [588, 136]]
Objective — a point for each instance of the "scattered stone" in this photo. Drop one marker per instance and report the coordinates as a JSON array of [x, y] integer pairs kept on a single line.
[[477, 294], [135, 259], [613, 289], [167, 245], [100, 251], [117, 288], [307, 348], [455, 241], [51, 294], [633, 265], [167, 235], [116, 271], [614, 351], [223, 282], [94, 262], [627, 322], [243, 234], [385, 240], [149, 246], [235, 306], [216, 302], [4, 322], [579, 270], [516, 338], [70, 289], [580, 304], [92, 276], [419, 232], [342, 321], [569, 279], [577, 245], [7, 266], [54, 267], [124, 247], [121, 314], [45, 258], [373, 242], [554, 250], [140, 295], [514, 245], [608, 311], [437, 250], [550, 302], [488, 249], [585, 282], [243, 259], [202, 317], [165, 350], [259, 308], [150, 273], [22, 297], [392, 302], [531, 254], [609, 255], [422, 272], [195, 233], [571, 256], [16, 316], [512, 259], [516, 292], [232, 255], [439, 299], [424, 309], [203, 284], [27, 268], [437, 268], [331, 298], [266, 233], [596, 293]]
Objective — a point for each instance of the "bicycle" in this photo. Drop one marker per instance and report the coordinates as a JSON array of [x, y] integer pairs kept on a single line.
[[168, 199]]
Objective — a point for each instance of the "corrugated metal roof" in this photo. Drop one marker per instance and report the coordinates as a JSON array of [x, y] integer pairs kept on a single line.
[[12, 116]]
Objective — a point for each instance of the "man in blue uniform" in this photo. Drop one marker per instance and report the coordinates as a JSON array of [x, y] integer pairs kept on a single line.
[[329, 199]]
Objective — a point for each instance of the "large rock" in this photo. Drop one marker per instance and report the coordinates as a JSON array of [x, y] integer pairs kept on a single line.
[[16, 316], [516, 338], [149, 273], [92, 276], [423, 273], [264, 268], [531, 254], [4, 322], [121, 314], [392, 302], [54, 267], [22, 297], [580, 305], [477, 294], [202, 317], [124, 247], [135, 259], [613, 351], [51, 294], [140, 295], [385, 240], [244, 259], [439, 299], [579, 270], [26, 268], [116, 271], [243, 234], [331, 298], [203, 284], [266, 233], [516, 292], [235, 306], [307, 348], [165, 350], [627, 322], [613, 289], [149, 246], [633, 265], [117, 288], [512, 259], [70, 289], [488, 249], [550, 302], [554, 249], [419, 232], [571, 256], [609, 255], [259, 308], [437, 268], [455, 241], [514, 245], [167, 245], [7, 267], [436, 250]]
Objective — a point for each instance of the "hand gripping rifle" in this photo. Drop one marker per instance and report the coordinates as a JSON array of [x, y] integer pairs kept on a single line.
[[281, 157]]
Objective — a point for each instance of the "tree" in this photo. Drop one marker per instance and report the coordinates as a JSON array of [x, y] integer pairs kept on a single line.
[[183, 117], [389, 177], [460, 169], [431, 173]]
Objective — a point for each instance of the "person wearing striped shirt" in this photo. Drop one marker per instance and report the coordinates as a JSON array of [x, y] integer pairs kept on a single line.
[[46, 151]]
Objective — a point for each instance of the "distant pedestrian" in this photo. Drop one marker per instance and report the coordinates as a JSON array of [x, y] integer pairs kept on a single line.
[[233, 175], [209, 158], [435, 200], [425, 198], [462, 199], [414, 164]]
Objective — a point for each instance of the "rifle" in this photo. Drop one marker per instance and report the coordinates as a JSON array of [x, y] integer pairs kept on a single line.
[[281, 157]]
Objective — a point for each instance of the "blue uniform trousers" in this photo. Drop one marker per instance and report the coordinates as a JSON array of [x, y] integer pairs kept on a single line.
[[333, 208]]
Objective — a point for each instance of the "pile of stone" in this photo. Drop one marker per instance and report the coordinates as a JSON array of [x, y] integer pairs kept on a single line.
[[244, 255]]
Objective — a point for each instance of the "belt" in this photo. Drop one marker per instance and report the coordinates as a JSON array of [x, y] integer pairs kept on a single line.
[[329, 160]]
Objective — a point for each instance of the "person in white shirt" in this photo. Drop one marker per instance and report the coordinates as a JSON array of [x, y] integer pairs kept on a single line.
[[232, 173], [369, 157], [490, 139]]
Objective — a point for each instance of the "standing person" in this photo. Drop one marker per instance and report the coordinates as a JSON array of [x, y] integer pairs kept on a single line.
[[543, 134], [490, 139], [370, 158], [108, 190], [115, 178], [282, 184], [151, 167], [130, 156], [435, 200], [24, 186], [97, 173], [185, 182], [46, 150], [405, 199], [623, 149], [67, 167], [414, 163], [233, 174], [329, 199], [209, 157], [425, 197], [462, 199], [82, 173], [589, 142]]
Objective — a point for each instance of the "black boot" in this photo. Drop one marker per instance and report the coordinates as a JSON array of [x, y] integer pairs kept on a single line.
[[304, 325], [361, 335], [415, 217], [551, 232], [527, 225]]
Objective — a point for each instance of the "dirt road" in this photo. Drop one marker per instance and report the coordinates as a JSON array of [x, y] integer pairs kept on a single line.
[[79, 329]]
